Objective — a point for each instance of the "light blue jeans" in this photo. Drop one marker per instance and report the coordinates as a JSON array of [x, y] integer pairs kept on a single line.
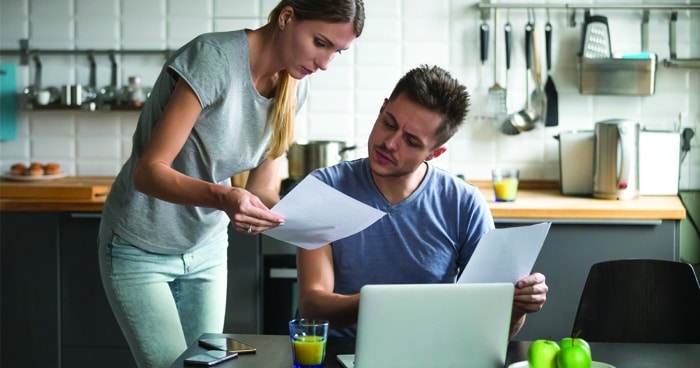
[[163, 302]]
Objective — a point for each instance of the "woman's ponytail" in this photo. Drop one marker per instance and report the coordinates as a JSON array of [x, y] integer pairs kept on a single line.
[[282, 115]]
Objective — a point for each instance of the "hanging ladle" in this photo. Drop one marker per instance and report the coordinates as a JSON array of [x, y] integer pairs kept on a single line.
[[30, 92], [525, 119]]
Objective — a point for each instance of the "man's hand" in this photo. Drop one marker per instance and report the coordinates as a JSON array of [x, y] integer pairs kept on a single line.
[[530, 294]]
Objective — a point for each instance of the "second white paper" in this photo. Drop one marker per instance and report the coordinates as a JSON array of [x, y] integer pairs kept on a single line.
[[505, 255]]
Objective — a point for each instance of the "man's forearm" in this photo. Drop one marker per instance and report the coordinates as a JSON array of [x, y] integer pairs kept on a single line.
[[339, 310], [516, 323]]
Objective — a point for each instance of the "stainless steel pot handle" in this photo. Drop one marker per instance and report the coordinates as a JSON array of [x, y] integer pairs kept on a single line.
[[345, 149], [283, 273]]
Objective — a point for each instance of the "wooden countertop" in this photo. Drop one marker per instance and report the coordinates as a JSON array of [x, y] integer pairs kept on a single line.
[[536, 200], [83, 193]]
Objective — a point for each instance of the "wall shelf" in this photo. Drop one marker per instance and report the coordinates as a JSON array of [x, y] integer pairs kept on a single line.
[[24, 52], [88, 107]]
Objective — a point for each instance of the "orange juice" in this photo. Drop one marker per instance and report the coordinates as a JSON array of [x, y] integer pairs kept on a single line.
[[506, 189], [309, 350]]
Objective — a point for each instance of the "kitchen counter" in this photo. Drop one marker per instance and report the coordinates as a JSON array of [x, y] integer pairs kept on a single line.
[[84, 194], [73, 319], [536, 200]]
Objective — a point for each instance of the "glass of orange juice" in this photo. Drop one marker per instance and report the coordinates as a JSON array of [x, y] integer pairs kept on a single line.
[[308, 342], [505, 184]]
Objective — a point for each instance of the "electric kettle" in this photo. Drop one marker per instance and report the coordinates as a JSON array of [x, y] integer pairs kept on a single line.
[[616, 159]]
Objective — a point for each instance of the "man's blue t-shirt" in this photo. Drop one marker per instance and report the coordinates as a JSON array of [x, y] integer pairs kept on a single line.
[[426, 238]]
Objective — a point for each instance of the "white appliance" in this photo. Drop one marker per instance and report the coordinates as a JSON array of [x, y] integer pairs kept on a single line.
[[576, 162], [659, 162]]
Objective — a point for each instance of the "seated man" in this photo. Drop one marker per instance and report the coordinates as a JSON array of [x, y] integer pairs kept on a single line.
[[433, 222]]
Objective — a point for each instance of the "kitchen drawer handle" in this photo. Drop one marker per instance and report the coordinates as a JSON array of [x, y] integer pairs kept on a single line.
[[580, 221], [83, 215], [283, 273]]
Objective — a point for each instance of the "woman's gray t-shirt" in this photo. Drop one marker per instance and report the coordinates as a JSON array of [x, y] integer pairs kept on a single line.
[[231, 136]]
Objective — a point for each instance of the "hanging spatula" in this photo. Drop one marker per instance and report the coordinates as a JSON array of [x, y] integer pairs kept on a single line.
[[550, 91], [496, 100]]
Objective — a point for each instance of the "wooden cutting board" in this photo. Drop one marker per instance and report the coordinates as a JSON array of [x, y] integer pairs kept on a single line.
[[84, 188]]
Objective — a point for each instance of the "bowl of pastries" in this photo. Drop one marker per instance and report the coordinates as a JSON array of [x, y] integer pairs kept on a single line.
[[35, 171]]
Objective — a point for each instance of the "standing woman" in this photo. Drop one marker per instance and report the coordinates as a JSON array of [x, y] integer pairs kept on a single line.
[[222, 104]]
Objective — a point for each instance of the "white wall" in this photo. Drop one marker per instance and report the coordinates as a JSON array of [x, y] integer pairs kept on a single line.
[[399, 34]]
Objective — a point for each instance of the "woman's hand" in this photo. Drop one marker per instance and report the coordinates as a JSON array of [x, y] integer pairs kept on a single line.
[[248, 214]]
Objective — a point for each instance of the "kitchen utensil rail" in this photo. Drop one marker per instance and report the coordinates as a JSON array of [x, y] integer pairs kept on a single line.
[[25, 51], [673, 61], [485, 6]]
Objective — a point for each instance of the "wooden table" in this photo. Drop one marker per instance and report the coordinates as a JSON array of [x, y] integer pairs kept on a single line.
[[275, 351]]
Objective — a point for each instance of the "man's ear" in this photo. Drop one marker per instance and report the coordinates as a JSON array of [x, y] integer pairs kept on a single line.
[[381, 109], [436, 153]]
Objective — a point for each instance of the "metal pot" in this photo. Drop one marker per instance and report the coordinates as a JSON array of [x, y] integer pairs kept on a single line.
[[305, 157]]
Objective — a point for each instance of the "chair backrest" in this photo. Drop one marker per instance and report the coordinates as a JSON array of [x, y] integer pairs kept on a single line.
[[640, 300]]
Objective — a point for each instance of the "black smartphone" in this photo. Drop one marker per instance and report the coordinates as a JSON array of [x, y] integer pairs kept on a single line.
[[210, 358], [227, 344]]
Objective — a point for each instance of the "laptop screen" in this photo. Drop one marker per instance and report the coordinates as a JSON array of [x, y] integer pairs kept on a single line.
[[433, 325]]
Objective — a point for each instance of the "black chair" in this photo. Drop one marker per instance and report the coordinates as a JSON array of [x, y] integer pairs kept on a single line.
[[641, 301]]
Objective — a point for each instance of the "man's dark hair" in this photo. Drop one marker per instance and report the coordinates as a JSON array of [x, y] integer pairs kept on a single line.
[[435, 89]]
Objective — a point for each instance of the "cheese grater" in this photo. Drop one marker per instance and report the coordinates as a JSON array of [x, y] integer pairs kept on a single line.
[[596, 38]]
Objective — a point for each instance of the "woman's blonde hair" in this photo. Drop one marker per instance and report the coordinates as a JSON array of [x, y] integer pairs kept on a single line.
[[284, 108]]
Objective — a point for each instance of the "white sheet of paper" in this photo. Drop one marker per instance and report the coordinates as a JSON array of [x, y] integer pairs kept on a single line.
[[316, 214], [506, 254]]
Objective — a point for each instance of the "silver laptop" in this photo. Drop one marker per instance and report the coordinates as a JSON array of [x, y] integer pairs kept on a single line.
[[432, 325]]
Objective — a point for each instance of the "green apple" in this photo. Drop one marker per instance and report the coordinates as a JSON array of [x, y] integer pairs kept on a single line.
[[572, 341], [574, 356], [543, 354]]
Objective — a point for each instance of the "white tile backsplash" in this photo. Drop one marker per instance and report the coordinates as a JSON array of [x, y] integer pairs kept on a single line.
[[91, 8], [384, 8], [97, 32], [438, 9], [332, 102], [142, 9], [338, 77], [107, 148], [50, 9], [183, 29], [378, 53], [45, 149], [55, 32], [141, 32], [425, 30], [228, 8], [344, 100], [189, 8]]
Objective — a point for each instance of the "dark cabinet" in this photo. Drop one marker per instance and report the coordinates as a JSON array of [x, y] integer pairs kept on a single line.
[[572, 247], [53, 309], [244, 284], [90, 334], [29, 290]]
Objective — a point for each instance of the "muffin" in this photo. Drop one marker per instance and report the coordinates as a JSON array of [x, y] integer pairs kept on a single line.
[[35, 169], [52, 168], [18, 169]]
